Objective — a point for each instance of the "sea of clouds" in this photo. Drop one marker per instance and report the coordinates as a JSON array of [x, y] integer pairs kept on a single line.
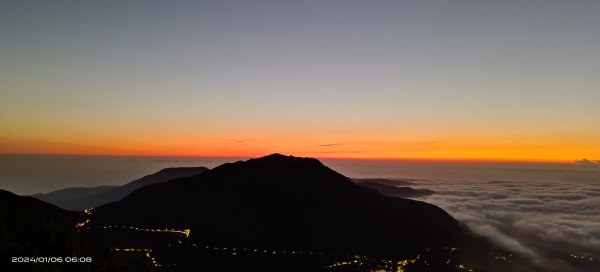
[[547, 222], [543, 211]]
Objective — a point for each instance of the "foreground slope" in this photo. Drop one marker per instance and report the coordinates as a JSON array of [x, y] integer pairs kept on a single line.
[[28, 225], [31, 231]]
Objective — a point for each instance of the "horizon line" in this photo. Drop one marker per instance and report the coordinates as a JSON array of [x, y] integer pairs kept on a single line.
[[424, 159]]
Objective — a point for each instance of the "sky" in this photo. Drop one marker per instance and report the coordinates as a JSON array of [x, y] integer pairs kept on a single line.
[[482, 80]]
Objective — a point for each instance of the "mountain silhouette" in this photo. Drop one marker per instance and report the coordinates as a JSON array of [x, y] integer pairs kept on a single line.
[[31, 228], [395, 191], [81, 198], [285, 202], [28, 224], [386, 181]]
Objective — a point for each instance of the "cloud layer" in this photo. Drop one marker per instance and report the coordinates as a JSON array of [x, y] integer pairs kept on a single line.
[[545, 221]]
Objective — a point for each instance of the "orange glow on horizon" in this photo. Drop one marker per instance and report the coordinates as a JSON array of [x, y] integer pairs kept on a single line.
[[372, 149]]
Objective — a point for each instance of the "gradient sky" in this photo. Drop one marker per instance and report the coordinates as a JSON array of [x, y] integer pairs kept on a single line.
[[510, 80]]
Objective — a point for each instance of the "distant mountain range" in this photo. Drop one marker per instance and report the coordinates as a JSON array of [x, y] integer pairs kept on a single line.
[[81, 198], [395, 191], [387, 181]]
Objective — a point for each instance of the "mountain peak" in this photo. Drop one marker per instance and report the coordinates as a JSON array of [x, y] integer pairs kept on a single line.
[[278, 158], [275, 164], [277, 155], [282, 157]]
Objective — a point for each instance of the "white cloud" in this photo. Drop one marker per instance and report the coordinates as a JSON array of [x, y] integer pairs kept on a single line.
[[544, 221]]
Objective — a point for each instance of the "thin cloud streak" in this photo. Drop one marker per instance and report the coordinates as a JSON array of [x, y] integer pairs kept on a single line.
[[328, 145]]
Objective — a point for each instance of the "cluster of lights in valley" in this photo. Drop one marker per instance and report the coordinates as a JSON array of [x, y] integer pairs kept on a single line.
[[382, 265]]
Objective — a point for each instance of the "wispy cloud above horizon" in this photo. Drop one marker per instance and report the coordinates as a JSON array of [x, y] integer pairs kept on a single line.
[[329, 145]]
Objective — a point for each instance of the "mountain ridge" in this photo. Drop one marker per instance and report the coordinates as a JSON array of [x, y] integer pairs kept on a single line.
[[80, 198]]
